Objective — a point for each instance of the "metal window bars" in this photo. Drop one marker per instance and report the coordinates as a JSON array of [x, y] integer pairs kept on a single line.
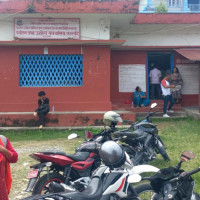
[[51, 70]]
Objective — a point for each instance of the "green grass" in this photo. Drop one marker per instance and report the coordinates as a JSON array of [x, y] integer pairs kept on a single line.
[[178, 134], [41, 135]]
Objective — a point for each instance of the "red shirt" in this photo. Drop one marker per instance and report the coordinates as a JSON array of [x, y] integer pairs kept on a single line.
[[11, 159]]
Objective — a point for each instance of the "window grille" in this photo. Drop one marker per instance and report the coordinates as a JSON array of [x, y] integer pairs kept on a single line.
[[51, 70], [175, 3]]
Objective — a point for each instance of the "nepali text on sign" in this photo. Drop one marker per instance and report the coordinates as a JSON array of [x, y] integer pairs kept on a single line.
[[32, 28]]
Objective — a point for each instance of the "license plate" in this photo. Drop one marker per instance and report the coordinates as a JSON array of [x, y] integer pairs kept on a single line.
[[33, 173]]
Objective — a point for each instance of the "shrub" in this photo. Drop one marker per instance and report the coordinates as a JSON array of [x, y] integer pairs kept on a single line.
[[161, 8]]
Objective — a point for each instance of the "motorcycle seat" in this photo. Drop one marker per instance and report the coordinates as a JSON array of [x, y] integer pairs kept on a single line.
[[135, 134], [79, 156]]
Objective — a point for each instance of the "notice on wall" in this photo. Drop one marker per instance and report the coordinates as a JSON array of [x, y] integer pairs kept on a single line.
[[131, 76], [190, 76], [42, 28]]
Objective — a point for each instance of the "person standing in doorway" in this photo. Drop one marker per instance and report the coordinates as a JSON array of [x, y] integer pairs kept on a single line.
[[43, 108], [167, 96], [155, 78], [176, 80]]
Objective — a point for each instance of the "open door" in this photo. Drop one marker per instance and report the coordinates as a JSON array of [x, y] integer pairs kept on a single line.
[[163, 61]]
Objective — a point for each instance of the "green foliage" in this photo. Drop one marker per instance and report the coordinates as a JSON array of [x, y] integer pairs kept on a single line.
[[161, 8], [178, 134]]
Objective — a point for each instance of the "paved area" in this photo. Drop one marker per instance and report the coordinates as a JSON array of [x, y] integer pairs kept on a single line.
[[192, 111]]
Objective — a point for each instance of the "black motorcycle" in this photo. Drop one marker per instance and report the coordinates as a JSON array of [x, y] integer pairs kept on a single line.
[[143, 140], [171, 183]]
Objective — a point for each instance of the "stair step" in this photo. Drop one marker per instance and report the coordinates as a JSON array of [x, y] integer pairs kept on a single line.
[[160, 114]]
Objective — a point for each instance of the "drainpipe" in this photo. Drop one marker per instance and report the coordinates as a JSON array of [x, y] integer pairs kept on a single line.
[[185, 5]]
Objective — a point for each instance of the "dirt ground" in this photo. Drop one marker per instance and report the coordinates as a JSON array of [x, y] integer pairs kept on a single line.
[[21, 168]]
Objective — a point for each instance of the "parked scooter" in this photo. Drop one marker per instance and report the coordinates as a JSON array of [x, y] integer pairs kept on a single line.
[[171, 183], [143, 140], [110, 182]]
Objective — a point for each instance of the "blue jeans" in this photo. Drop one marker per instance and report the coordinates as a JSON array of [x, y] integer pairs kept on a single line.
[[168, 98], [138, 101]]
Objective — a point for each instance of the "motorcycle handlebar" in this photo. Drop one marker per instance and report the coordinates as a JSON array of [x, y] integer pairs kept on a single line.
[[193, 171], [185, 174]]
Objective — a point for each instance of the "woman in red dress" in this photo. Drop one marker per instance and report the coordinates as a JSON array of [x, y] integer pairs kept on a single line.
[[7, 155]]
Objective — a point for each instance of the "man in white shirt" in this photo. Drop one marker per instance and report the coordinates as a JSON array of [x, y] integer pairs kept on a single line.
[[167, 96], [155, 77]]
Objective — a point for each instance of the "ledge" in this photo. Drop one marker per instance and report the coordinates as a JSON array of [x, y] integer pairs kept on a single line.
[[61, 42], [167, 18]]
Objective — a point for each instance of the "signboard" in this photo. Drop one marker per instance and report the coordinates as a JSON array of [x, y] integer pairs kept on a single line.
[[131, 76], [190, 76], [34, 28]]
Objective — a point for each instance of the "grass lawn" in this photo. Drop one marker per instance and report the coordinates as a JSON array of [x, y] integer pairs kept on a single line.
[[178, 135]]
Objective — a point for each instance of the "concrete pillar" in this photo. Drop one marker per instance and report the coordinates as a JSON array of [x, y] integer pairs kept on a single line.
[[185, 5]]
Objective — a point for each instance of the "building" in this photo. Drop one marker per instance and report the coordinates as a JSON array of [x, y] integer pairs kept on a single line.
[[89, 55]]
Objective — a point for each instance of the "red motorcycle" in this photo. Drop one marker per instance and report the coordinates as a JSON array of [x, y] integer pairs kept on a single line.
[[57, 166]]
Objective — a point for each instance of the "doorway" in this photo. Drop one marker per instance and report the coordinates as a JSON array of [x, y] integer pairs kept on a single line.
[[164, 61]]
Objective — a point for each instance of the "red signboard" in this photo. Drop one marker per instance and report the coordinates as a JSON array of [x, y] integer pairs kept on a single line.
[[43, 28]]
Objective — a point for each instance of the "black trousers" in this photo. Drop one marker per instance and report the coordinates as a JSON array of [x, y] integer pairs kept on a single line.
[[155, 91], [41, 113], [41, 118]]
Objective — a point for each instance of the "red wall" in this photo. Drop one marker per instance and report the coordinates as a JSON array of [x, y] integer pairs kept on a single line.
[[136, 57], [190, 100], [123, 57], [69, 6], [93, 95]]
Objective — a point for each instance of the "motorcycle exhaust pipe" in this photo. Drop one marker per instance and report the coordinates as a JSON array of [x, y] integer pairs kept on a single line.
[[56, 187], [60, 187]]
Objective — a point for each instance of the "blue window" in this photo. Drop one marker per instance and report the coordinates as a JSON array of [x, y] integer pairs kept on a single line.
[[51, 70]]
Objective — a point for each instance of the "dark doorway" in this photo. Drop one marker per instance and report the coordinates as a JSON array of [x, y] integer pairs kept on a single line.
[[163, 61]]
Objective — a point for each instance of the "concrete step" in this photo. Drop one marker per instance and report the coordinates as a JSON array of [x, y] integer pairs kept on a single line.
[[160, 114], [56, 119], [122, 106]]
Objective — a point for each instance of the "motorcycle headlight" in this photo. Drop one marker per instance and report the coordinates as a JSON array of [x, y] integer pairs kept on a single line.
[[167, 188]]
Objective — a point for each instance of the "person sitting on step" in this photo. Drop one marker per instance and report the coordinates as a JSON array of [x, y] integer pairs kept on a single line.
[[139, 98], [43, 108]]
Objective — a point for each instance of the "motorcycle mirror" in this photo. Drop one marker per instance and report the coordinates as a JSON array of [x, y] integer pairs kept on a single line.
[[134, 178], [72, 136], [187, 155], [153, 105]]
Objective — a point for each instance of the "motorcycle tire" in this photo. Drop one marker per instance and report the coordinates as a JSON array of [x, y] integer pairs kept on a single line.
[[145, 191], [41, 185], [163, 153]]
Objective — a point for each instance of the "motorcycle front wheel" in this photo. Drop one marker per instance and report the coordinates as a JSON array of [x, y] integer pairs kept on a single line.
[[145, 192], [162, 151], [42, 185]]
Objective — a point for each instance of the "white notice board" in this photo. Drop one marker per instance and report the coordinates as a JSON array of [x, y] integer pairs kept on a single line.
[[190, 76], [131, 76]]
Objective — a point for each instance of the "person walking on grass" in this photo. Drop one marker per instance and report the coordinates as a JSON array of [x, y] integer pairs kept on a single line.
[[167, 96], [43, 108]]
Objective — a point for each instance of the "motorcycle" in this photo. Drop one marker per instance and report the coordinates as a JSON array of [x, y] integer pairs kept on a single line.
[[65, 168], [143, 140], [108, 183], [172, 183]]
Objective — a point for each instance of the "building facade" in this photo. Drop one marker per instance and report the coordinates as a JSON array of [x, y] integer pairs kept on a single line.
[[88, 55]]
